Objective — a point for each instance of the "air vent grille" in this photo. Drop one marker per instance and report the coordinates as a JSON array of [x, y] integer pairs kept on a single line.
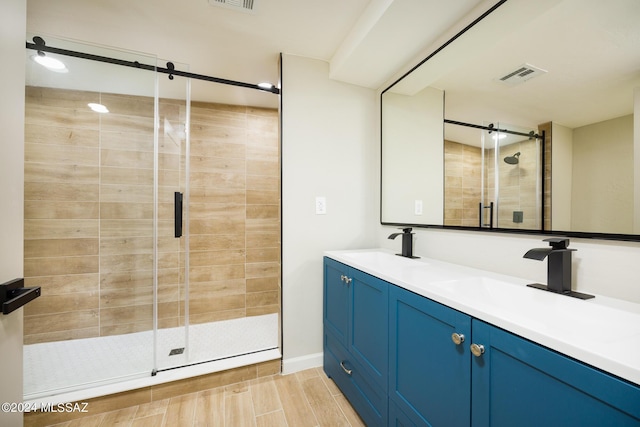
[[239, 5], [521, 74]]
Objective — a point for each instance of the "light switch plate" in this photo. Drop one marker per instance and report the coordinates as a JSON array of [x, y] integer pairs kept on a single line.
[[321, 205], [418, 207]]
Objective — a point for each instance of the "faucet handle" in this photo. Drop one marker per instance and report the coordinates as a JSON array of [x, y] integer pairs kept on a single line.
[[558, 242]]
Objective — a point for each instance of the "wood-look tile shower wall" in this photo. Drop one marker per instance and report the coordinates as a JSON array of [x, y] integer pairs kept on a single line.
[[89, 209]]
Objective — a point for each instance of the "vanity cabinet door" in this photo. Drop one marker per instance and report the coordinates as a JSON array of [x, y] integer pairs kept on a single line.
[[356, 338], [336, 299], [518, 383], [369, 326], [429, 374]]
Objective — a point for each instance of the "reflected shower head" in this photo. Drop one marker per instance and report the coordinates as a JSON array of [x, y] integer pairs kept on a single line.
[[512, 160]]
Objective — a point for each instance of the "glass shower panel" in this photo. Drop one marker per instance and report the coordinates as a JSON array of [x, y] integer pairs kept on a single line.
[[488, 185], [89, 219], [518, 178], [172, 343]]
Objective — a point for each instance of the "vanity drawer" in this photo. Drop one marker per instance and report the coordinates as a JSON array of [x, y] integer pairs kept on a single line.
[[368, 399]]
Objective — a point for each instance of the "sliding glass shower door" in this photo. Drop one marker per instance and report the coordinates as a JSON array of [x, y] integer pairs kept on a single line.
[[513, 170], [172, 305], [110, 185], [90, 227]]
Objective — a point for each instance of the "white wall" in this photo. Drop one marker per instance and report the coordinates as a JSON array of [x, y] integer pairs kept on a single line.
[[561, 172], [414, 125], [331, 148], [636, 160], [329, 134], [600, 267], [602, 182], [12, 38]]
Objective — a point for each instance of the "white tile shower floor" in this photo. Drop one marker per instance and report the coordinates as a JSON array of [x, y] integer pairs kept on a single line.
[[63, 366]]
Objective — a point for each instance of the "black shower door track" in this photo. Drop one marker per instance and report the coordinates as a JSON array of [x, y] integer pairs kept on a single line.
[[490, 128], [170, 70]]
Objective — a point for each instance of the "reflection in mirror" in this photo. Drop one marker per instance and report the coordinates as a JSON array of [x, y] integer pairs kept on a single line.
[[412, 158], [492, 176], [546, 73]]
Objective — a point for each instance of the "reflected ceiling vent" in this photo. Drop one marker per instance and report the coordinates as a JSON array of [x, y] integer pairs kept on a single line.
[[247, 6], [521, 74]]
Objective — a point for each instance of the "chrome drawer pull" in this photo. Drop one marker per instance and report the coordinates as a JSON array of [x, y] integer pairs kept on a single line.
[[346, 371]]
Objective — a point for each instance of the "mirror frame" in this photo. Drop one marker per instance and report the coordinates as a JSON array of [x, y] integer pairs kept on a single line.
[[575, 234]]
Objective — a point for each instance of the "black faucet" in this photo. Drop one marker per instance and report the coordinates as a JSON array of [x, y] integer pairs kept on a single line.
[[407, 242], [558, 268]]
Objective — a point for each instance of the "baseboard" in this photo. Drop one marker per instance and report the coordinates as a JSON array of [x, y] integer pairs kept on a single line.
[[295, 364]]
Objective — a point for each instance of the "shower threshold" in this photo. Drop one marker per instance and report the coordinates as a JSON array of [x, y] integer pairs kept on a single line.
[[63, 367]]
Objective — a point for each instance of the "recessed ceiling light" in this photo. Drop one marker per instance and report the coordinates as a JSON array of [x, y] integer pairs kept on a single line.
[[50, 63], [98, 108]]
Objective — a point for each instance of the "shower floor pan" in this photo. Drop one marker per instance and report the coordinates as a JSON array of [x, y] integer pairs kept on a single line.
[[64, 366]]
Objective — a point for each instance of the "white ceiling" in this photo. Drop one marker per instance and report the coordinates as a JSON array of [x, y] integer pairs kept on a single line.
[[365, 41], [589, 48]]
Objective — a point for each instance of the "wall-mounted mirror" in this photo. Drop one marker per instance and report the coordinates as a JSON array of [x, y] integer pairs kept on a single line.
[[570, 68]]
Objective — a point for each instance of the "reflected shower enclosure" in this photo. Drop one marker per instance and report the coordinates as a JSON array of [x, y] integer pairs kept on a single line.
[[133, 281], [492, 178]]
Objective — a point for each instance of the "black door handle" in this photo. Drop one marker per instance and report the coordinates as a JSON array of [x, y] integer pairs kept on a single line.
[[177, 209]]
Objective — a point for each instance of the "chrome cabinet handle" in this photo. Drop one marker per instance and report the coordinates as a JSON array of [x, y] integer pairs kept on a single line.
[[477, 349], [348, 280], [457, 338], [343, 278], [346, 371]]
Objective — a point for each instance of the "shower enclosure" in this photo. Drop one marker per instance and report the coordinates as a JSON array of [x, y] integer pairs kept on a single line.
[[493, 176], [151, 223]]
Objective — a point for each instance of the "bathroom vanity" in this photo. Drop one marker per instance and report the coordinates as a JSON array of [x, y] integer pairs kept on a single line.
[[420, 342]]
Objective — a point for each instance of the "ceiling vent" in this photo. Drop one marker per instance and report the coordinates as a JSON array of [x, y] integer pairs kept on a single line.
[[521, 74], [247, 6]]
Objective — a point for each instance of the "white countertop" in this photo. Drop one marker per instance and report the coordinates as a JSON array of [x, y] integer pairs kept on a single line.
[[602, 332]]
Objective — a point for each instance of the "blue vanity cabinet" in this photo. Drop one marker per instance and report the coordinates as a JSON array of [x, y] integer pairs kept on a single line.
[[516, 382], [429, 374], [404, 360], [356, 339], [336, 299]]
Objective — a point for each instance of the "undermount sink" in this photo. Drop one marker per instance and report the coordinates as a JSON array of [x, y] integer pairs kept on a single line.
[[560, 315]]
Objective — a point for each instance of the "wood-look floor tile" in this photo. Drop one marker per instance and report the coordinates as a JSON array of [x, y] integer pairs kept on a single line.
[[322, 403], [94, 421], [333, 388], [265, 396], [210, 408], [239, 410], [348, 411], [272, 419], [122, 417], [150, 421], [296, 407], [296, 400], [271, 368], [152, 408], [306, 374], [181, 411]]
